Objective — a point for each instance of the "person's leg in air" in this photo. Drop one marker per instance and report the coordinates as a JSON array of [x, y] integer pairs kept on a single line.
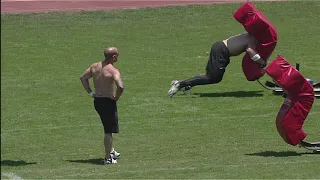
[[218, 61]]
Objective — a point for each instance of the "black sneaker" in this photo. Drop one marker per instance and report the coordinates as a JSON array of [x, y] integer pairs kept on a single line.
[[109, 160], [187, 90], [115, 155]]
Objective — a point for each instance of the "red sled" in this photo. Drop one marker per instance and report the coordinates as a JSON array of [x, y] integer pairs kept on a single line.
[[298, 103], [256, 24]]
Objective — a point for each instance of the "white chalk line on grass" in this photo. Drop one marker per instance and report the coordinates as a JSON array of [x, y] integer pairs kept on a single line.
[[184, 120], [147, 170], [10, 176]]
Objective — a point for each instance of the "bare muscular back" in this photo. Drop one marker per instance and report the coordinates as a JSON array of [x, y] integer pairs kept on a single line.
[[237, 44], [103, 79]]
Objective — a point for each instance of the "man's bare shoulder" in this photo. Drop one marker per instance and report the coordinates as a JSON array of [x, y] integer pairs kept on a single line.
[[114, 70], [94, 65]]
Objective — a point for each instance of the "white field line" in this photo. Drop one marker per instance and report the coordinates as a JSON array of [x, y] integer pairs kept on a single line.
[[10, 176], [184, 120]]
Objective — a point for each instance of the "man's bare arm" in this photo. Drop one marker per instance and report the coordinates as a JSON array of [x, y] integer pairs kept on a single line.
[[255, 56], [119, 84], [253, 53], [85, 80]]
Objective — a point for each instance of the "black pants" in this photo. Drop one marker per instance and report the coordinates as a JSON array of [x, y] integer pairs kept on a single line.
[[217, 63], [107, 110]]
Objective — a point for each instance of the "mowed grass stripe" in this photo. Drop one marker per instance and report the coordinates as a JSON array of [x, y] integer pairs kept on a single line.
[[239, 118]]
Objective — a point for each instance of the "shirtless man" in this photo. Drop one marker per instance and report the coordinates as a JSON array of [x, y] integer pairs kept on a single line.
[[219, 59], [105, 75]]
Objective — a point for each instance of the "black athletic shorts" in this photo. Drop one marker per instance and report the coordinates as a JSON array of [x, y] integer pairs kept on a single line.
[[218, 60], [107, 110]]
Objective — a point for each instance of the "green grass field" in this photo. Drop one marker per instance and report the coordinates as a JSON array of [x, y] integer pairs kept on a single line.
[[50, 130]]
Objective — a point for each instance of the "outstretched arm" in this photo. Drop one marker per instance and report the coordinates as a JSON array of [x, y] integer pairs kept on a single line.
[[85, 80]]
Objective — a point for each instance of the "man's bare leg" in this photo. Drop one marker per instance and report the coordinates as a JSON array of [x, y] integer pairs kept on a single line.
[[114, 153], [107, 144], [107, 148]]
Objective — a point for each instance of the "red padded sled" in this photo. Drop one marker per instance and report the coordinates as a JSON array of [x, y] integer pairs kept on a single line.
[[256, 24], [299, 100]]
